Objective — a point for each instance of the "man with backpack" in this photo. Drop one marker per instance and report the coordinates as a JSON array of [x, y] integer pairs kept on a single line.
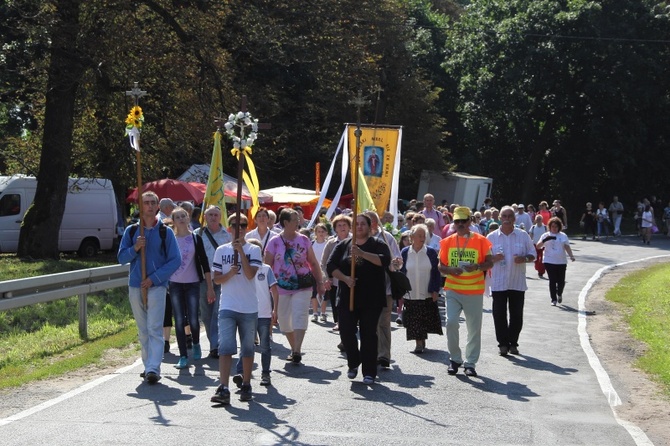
[[162, 258]]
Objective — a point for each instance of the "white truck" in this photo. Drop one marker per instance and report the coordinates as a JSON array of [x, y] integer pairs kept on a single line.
[[455, 187], [89, 221]]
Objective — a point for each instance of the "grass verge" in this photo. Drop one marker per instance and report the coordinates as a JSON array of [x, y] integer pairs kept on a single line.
[[42, 340], [645, 298]]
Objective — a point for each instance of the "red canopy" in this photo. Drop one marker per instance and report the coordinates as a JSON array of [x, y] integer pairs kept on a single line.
[[174, 189]]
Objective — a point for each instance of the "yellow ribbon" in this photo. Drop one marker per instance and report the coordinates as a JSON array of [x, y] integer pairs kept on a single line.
[[250, 179], [236, 152]]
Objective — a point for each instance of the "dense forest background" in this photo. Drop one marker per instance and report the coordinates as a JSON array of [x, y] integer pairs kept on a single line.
[[553, 99]]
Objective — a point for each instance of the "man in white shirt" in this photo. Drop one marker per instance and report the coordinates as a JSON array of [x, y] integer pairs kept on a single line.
[[235, 267], [523, 218], [512, 249], [429, 211]]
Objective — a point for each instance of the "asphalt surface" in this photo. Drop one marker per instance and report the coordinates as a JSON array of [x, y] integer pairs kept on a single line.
[[549, 395]]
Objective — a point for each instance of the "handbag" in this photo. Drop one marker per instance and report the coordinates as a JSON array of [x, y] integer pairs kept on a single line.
[[654, 229], [399, 284], [304, 280]]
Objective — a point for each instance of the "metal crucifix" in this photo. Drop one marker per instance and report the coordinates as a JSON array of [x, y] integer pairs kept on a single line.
[[358, 102], [136, 94]]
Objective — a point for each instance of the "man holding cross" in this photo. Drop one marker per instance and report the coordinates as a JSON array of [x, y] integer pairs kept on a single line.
[[162, 259]]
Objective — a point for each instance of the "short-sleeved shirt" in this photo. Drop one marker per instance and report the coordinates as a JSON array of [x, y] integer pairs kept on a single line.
[[186, 273], [508, 275], [554, 250], [290, 260], [238, 293], [265, 279]]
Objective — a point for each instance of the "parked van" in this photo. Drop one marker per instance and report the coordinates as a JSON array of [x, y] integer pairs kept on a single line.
[[89, 221]]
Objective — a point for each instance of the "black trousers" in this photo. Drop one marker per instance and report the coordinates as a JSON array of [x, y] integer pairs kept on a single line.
[[556, 274], [507, 332], [366, 320]]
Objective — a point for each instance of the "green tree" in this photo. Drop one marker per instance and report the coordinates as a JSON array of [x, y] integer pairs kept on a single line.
[[561, 98]]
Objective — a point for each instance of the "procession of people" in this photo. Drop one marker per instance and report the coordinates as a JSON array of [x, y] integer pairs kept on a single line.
[[244, 283]]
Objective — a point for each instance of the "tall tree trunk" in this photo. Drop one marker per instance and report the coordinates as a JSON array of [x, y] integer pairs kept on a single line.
[[41, 225]]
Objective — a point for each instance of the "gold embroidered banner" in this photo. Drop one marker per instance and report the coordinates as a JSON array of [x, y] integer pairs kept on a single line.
[[378, 153]]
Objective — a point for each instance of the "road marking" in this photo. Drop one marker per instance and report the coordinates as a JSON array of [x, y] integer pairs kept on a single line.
[[68, 395], [606, 386]]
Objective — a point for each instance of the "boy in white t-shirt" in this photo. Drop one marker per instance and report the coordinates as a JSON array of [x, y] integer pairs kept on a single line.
[[535, 233], [268, 300], [235, 266]]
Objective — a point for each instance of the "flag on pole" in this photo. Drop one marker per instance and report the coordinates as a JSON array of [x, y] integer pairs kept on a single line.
[[364, 199], [214, 195]]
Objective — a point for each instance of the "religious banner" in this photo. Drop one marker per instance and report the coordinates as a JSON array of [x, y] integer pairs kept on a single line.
[[379, 161]]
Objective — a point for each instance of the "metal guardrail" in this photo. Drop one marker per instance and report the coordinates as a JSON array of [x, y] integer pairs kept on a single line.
[[24, 292]]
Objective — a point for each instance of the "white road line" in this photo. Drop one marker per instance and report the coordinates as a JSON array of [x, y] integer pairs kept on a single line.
[[68, 395], [606, 386]]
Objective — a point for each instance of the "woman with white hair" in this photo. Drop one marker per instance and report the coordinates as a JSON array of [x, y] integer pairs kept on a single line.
[[420, 264]]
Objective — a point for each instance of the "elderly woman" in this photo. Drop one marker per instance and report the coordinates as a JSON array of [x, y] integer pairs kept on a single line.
[[342, 226], [372, 257], [420, 265], [263, 231], [291, 258]]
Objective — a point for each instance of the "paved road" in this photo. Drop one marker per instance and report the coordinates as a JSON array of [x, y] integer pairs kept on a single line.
[[549, 395]]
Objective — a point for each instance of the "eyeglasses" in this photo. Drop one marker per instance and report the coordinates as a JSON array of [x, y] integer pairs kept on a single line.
[[507, 215], [150, 203]]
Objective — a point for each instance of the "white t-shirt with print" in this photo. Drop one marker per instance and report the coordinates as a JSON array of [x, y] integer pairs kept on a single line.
[[238, 293]]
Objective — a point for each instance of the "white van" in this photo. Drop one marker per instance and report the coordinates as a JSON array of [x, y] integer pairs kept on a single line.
[[89, 221]]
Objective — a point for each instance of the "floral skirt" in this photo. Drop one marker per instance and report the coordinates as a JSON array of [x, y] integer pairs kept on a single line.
[[421, 317]]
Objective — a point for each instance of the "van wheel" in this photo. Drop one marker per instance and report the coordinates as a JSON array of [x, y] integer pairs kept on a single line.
[[88, 248]]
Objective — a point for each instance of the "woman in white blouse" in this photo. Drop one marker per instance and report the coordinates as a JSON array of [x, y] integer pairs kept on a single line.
[[420, 264]]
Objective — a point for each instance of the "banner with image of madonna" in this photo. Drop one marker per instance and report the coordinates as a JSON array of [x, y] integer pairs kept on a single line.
[[379, 161]]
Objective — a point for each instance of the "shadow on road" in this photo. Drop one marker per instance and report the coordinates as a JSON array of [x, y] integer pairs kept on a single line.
[[530, 362], [160, 395]]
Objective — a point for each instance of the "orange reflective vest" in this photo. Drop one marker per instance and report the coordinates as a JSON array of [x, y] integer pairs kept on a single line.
[[472, 249]]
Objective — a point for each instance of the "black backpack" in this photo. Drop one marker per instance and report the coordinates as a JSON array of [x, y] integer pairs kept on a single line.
[[162, 231]]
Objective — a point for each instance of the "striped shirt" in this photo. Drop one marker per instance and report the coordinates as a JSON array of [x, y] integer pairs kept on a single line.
[[508, 275]]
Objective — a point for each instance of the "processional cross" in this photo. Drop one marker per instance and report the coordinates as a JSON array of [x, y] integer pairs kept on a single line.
[[359, 102], [136, 94], [240, 165]]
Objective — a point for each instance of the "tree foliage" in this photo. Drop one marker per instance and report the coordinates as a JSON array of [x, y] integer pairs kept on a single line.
[[562, 99]]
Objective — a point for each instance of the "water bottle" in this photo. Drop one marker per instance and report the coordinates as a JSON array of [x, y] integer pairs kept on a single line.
[[500, 251]]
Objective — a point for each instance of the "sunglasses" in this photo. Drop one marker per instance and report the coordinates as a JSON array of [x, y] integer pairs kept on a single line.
[[460, 222], [243, 226]]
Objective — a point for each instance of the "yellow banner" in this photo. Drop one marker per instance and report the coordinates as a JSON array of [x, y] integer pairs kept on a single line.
[[215, 191], [377, 159]]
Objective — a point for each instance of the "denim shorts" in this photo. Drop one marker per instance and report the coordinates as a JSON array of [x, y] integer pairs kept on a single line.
[[231, 323]]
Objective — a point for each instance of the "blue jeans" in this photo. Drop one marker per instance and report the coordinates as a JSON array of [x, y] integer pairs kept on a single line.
[[231, 323], [185, 298], [209, 315], [264, 329], [149, 325]]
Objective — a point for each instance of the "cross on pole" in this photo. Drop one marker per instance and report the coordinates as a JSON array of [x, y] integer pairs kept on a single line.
[[136, 94], [359, 102], [240, 167]]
